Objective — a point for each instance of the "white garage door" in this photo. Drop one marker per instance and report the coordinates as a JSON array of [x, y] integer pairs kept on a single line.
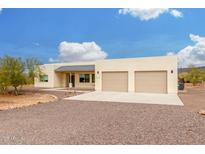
[[151, 81], [115, 81]]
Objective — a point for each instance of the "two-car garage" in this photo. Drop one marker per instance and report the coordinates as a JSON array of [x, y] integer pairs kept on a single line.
[[138, 75], [144, 81], [151, 80]]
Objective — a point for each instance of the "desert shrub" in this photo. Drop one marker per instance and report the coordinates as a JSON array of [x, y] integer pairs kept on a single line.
[[32, 69], [4, 82], [194, 75], [15, 72]]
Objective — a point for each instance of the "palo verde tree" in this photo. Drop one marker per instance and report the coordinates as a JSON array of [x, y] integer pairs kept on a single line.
[[32, 69], [14, 72], [194, 75], [4, 80]]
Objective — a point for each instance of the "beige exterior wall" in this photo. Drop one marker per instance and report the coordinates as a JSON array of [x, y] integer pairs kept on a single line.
[[56, 80], [47, 70], [59, 80], [163, 63]]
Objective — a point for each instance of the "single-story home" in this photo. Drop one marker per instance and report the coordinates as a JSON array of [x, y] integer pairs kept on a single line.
[[143, 75]]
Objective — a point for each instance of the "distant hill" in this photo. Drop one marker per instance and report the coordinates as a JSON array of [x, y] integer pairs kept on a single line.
[[187, 69]]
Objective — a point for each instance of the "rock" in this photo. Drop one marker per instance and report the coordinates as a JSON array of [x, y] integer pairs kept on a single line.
[[202, 112]]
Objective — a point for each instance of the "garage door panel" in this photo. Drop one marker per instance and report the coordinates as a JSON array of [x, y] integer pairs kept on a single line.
[[114, 81], [151, 81]]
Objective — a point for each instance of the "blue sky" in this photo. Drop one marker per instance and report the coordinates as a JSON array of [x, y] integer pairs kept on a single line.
[[40, 33]]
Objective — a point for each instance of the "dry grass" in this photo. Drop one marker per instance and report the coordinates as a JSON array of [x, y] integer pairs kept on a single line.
[[26, 99], [190, 85]]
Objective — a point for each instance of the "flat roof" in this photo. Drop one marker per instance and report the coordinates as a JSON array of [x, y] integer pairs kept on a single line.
[[77, 63], [76, 68]]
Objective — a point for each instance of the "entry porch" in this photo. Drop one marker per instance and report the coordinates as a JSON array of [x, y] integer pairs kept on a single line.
[[76, 77]]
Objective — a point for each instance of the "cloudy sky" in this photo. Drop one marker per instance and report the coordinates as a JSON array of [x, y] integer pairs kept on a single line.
[[56, 35]]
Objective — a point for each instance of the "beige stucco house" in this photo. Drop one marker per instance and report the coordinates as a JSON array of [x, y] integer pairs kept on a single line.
[[143, 75]]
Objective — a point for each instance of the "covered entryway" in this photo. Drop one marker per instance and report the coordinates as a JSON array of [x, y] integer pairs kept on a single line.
[[70, 79], [151, 81], [76, 77], [115, 81]]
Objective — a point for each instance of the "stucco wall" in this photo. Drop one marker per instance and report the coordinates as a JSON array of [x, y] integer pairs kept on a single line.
[[47, 70], [60, 80], [56, 80], [131, 65]]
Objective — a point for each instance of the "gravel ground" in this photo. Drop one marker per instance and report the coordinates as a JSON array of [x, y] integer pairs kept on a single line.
[[75, 122], [59, 94], [194, 99]]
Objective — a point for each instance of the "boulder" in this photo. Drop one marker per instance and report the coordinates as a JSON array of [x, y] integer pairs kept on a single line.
[[202, 112]]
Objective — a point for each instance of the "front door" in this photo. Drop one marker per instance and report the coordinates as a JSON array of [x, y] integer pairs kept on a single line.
[[73, 80]]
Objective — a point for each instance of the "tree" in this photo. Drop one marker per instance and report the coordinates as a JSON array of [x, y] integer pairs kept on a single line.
[[32, 68], [4, 80], [194, 75], [183, 76], [14, 70]]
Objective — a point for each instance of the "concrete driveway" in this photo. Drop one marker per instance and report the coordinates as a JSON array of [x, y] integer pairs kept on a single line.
[[144, 98]]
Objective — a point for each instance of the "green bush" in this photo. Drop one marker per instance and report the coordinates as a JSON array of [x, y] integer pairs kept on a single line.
[[15, 72], [194, 75]]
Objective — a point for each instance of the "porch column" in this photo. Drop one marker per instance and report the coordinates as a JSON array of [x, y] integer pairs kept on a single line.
[[70, 83]]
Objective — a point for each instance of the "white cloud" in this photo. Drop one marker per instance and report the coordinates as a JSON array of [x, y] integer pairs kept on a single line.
[[176, 13], [1, 10], [86, 51], [145, 14], [192, 54]]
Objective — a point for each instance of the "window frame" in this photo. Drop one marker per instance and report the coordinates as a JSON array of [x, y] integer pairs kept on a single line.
[[43, 78], [84, 78], [93, 78]]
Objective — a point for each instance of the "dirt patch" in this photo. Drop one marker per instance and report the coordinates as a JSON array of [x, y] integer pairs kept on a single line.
[[26, 99], [190, 85], [61, 94], [193, 99]]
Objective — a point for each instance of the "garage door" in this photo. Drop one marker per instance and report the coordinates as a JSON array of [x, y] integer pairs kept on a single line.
[[114, 81], [151, 81]]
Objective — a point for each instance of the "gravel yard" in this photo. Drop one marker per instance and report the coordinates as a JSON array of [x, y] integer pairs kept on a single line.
[[75, 122], [26, 99], [194, 99]]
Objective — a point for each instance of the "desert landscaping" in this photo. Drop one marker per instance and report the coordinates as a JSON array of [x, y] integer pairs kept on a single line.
[[87, 122], [40, 115], [11, 101], [29, 95]]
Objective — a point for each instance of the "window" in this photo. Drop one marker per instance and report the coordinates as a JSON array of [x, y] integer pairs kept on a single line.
[[43, 78], [93, 78], [84, 78]]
